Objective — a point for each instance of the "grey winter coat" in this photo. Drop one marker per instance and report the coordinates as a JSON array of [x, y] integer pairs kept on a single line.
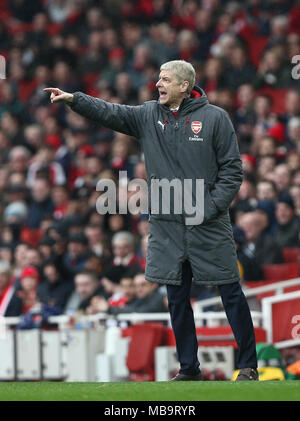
[[200, 143]]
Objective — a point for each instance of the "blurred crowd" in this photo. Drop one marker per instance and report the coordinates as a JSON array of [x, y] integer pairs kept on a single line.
[[56, 250]]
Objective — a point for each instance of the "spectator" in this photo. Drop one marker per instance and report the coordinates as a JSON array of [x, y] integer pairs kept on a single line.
[[124, 251], [61, 201], [213, 74], [41, 203], [245, 200], [293, 127], [265, 147], [54, 291], [267, 207], [262, 108], [123, 296], [43, 162], [25, 298], [148, 299], [292, 105], [287, 234], [272, 71], [10, 305], [77, 254], [112, 277], [87, 286], [19, 159], [266, 190], [294, 191], [265, 168], [259, 249], [6, 253], [244, 116], [282, 177], [96, 264], [95, 236], [239, 70], [45, 248], [33, 257]]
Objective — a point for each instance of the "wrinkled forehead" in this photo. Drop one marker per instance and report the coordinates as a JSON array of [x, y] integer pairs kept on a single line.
[[167, 74]]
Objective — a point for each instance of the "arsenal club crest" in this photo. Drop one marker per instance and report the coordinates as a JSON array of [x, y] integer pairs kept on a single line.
[[196, 126]]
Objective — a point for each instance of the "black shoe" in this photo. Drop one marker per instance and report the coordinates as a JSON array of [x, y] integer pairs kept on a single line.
[[247, 374], [186, 377]]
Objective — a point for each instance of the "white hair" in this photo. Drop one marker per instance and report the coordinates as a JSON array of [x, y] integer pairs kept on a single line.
[[182, 70], [19, 150], [123, 235]]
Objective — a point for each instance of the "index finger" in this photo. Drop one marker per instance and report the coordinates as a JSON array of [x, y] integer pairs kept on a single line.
[[50, 89]]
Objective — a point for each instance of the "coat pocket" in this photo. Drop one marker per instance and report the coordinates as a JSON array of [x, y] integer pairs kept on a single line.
[[210, 209]]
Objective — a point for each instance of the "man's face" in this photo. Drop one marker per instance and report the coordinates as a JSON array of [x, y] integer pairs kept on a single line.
[[76, 249], [128, 288], [95, 264], [85, 286], [29, 283], [51, 273], [40, 190], [250, 223], [282, 177], [143, 288], [284, 213], [265, 191], [122, 248], [33, 257], [171, 92]]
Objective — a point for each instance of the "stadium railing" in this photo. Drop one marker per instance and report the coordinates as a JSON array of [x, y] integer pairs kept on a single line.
[[276, 287], [208, 318]]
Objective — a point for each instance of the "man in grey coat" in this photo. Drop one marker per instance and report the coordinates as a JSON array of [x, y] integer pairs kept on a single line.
[[185, 138]]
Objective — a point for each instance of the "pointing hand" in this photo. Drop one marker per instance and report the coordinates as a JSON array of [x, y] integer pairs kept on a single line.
[[57, 95]]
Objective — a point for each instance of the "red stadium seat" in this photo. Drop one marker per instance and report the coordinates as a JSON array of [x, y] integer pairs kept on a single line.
[[140, 359], [291, 254], [281, 272]]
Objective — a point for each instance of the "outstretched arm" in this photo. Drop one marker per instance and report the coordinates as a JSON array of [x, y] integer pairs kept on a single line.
[[122, 118]]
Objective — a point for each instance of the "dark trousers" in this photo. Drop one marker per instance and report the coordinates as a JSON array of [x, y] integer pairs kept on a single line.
[[183, 324]]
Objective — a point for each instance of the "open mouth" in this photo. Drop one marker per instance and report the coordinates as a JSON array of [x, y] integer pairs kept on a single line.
[[162, 94]]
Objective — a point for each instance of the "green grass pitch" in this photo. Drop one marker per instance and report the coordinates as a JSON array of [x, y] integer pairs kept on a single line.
[[152, 391]]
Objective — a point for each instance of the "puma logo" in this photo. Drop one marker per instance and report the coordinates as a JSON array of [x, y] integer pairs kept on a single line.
[[161, 124]]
